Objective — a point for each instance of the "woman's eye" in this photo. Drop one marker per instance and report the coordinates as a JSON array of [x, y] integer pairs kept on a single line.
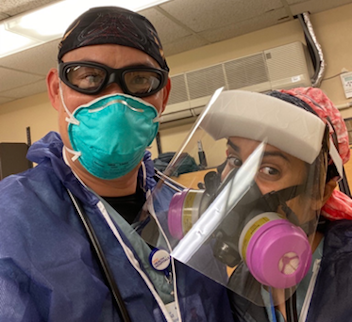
[[234, 162], [269, 171]]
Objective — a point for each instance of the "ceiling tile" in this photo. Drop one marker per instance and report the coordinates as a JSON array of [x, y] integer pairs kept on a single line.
[[27, 90], [200, 15], [27, 60], [168, 30], [16, 7], [10, 79]]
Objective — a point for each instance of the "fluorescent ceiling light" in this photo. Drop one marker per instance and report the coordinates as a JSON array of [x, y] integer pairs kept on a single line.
[[50, 22], [11, 43]]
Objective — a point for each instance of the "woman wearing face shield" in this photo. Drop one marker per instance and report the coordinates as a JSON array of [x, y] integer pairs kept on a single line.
[[273, 216], [328, 236]]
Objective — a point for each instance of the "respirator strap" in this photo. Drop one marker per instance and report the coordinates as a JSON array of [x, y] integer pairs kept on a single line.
[[71, 119], [76, 154], [278, 198]]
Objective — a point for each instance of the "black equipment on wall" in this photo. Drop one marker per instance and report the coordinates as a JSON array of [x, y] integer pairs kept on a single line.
[[13, 159]]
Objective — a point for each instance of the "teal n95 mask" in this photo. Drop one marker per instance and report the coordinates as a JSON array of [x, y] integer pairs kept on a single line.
[[110, 134]]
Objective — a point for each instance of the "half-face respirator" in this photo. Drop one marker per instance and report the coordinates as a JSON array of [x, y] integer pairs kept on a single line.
[[276, 251]]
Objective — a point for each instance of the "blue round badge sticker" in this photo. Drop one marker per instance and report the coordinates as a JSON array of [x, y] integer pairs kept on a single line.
[[159, 259]]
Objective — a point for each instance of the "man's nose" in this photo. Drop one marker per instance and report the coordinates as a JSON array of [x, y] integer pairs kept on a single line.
[[112, 88]]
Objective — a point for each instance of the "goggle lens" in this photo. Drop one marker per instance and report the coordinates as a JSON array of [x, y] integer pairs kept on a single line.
[[87, 78], [140, 82]]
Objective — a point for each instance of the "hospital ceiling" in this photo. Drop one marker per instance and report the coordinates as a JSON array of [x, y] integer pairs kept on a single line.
[[182, 25]]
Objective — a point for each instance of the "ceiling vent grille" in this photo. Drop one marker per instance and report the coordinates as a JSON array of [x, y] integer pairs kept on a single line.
[[277, 68]]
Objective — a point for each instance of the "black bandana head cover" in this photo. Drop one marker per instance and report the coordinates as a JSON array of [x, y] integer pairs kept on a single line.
[[113, 25]]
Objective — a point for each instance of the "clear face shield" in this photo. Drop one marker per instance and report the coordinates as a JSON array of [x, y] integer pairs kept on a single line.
[[247, 219]]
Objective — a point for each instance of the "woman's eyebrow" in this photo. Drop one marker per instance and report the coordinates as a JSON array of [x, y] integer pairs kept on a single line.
[[276, 154], [266, 153], [233, 146]]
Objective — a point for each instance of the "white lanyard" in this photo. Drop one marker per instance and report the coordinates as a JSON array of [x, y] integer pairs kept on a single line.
[[308, 298], [134, 262]]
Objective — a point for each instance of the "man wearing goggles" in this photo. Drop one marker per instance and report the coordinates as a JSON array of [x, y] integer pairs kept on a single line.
[[72, 252]]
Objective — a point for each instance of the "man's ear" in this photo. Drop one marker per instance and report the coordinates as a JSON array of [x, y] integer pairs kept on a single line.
[[166, 93], [52, 84]]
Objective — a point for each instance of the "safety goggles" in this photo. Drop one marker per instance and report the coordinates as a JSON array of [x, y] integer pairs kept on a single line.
[[91, 78]]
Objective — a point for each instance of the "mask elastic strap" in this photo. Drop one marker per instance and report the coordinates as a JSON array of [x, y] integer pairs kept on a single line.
[[71, 119], [76, 154], [144, 173], [279, 198], [275, 198], [290, 215], [157, 118]]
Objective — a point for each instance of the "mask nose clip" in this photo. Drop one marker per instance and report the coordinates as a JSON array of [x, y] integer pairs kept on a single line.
[[123, 102]]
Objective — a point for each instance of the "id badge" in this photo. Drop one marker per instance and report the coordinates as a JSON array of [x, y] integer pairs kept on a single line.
[[172, 309]]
